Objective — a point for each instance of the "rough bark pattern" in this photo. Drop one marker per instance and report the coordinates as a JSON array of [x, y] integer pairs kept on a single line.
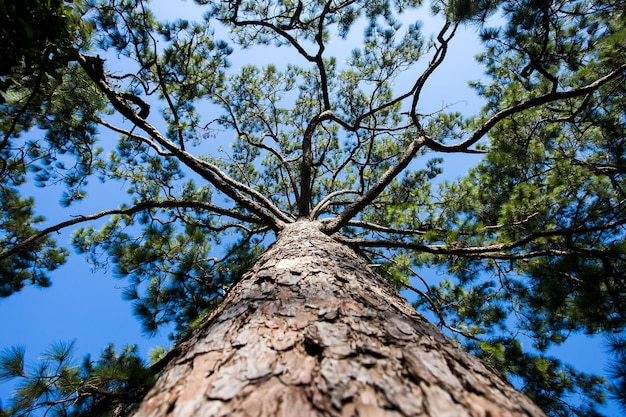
[[312, 331]]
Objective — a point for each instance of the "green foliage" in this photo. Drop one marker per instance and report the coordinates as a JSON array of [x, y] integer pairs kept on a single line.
[[530, 242], [545, 379], [617, 346], [29, 264], [110, 386], [173, 278], [37, 36], [550, 192], [471, 11], [49, 158]]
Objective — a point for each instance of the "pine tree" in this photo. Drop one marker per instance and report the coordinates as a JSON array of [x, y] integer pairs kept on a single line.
[[339, 152]]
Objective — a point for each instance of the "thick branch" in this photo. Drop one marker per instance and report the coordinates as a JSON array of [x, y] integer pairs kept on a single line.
[[94, 68], [488, 252], [304, 203], [411, 150], [147, 205], [525, 105], [496, 251], [353, 209], [383, 229], [321, 206]]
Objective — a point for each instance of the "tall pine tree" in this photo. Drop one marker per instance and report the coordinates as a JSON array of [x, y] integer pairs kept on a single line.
[[342, 152]]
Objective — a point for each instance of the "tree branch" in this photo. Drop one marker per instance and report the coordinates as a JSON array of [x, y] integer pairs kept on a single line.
[[130, 134], [353, 209], [279, 31], [525, 105], [236, 185], [304, 203], [436, 60], [496, 251], [261, 145], [319, 61], [168, 98], [489, 252], [147, 205], [321, 206], [411, 150], [94, 67], [378, 228], [417, 87]]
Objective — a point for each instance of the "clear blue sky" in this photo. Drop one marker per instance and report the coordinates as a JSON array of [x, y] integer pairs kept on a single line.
[[87, 307]]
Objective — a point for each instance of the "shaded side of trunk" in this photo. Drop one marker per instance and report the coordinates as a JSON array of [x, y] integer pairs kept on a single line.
[[312, 331]]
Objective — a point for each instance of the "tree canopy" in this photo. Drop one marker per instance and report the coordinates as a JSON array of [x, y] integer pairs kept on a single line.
[[37, 37], [216, 158]]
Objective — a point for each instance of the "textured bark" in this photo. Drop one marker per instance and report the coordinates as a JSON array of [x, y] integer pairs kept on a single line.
[[312, 331]]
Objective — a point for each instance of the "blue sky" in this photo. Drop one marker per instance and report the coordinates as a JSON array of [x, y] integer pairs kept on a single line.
[[87, 307]]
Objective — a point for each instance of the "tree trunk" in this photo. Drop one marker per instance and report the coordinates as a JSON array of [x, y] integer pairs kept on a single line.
[[312, 331]]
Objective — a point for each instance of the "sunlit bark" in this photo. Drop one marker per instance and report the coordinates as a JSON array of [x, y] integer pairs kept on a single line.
[[312, 331]]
